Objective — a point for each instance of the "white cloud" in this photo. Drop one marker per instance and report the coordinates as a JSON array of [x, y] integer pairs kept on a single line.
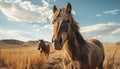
[[17, 33], [48, 26], [54, 0], [45, 4], [117, 31], [18, 10], [101, 27], [101, 31], [115, 11], [98, 15], [37, 30], [1, 31], [51, 0], [106, 38], [36, 27], [73, 12]]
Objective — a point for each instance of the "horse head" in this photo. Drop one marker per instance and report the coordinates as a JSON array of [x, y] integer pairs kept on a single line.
[[62, 21], [41, 44]]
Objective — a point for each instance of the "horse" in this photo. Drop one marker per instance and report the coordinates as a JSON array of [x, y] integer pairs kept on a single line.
[[44, 48], [78, 52]]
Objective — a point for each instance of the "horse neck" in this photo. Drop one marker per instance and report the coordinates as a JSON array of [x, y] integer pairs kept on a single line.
[[75, 42]]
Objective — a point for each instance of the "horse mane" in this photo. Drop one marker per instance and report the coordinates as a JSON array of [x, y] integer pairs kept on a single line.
[[80, 40], [76, 28]]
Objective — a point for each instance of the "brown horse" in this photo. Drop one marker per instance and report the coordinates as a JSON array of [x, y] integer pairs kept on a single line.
[[78, 53], [44, 48]]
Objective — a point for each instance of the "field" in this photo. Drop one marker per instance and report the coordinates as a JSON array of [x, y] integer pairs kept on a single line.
[[28, 57]]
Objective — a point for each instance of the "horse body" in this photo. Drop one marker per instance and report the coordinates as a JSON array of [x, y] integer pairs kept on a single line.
[[88, 56], [78, 53], [97, 53]]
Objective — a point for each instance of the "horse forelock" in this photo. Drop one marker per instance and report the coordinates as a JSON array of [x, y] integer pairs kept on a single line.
[[62, 13]]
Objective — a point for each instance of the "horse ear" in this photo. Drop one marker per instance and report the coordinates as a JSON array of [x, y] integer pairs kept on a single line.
[[54, 9], [68, 8]]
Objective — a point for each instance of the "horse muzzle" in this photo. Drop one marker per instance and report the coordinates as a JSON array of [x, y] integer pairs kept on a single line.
[[57, 46], [57, 43]]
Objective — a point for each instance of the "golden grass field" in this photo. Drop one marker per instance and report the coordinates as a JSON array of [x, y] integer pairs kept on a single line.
[[28, 57]]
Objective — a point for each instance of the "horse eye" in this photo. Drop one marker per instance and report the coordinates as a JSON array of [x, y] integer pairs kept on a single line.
[[54, 21]]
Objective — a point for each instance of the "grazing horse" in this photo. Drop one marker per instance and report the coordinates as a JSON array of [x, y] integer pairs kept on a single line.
[[44, 48], [78, 52]]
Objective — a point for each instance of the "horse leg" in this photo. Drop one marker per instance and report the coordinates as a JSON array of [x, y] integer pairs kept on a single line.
[[100, 66]]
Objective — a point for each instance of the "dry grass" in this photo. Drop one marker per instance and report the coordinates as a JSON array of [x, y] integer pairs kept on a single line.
[[29, 58], [112, 61], [15, 59]]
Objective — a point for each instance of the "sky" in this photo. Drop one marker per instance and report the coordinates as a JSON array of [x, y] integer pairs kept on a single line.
[[30, 19]]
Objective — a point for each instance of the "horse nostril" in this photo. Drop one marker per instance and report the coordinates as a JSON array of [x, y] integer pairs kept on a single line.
[[60, 40], [38, 48]]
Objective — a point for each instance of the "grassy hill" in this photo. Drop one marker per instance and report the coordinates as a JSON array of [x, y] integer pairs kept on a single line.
[[12, 43]]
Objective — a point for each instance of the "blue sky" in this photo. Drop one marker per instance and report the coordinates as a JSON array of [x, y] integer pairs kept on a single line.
[[30, 19]]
